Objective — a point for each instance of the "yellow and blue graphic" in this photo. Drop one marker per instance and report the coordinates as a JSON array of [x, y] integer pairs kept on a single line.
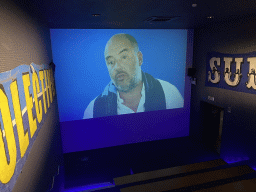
[[26, 95]]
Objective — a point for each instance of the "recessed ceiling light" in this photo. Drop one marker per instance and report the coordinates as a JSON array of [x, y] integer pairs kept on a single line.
[[95, 15], [194, 5], [210, 17]]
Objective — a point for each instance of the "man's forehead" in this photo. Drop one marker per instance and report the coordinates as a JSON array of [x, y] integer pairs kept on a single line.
[[116, 45]]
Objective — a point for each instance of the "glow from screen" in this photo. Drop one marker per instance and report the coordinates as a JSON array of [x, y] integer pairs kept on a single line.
[[93, 187], [82, 73]]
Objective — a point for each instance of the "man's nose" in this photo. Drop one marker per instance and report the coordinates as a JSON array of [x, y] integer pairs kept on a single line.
[[119, 64]]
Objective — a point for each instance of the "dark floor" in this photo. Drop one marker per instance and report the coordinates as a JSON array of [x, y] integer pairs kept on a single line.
[[91, 170]]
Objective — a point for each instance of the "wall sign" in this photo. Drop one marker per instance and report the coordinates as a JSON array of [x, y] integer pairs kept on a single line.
[[231, 71], [26, 94]]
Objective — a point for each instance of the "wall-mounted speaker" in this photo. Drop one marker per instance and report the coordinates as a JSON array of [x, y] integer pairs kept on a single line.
[[191, 72]]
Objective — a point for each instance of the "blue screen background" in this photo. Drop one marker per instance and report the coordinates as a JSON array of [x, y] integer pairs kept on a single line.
[[81, 73]]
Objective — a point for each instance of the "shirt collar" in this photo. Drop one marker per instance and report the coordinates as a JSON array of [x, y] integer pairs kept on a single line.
[[120, 100]]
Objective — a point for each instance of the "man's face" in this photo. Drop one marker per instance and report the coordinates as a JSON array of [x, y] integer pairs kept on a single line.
[[123, 63]]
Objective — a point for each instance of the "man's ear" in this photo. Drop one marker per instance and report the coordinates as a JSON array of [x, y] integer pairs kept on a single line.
[[140, 57]]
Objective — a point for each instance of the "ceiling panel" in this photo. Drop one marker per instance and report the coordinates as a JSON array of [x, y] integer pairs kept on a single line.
[[132, 13]]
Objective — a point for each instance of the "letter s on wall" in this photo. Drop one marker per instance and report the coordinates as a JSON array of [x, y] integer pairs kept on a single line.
[[214, 70]]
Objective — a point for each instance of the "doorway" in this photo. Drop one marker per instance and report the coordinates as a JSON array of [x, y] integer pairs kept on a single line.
[[212, 121]]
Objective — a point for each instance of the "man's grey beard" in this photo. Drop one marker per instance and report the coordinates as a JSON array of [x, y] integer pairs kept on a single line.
[[131, 85]]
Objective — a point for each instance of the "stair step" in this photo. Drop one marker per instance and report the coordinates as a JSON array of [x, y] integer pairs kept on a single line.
[[243, 185], [191, 180], [167, 172]]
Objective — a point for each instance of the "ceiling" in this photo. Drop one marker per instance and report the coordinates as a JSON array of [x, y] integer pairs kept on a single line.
[[133, 13]]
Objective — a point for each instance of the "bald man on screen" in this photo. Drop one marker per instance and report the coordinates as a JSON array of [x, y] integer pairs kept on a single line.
[[130, 89]]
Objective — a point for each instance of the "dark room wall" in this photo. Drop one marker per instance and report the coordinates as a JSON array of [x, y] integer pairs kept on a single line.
[[235, 36], [23, 40]]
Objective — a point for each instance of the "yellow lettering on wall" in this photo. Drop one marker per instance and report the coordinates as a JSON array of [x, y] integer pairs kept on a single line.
[[36, 90], [29, 101], [23, 138], [6, 168], [47, 87], [41, 75]]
